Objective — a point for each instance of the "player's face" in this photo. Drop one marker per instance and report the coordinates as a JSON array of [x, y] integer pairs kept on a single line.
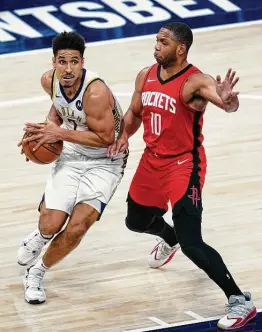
[[68, 65], [166, 48]]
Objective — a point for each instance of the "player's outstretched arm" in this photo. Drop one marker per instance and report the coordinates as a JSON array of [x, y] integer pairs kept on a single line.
[[132, 119], [225, 91], [218, 92]]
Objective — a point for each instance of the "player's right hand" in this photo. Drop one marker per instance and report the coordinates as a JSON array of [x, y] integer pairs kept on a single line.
[[120, 145], [22, 151]]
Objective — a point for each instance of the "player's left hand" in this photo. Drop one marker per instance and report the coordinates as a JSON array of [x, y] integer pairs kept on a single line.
[[43, 133], [225, 90], [22, 150]]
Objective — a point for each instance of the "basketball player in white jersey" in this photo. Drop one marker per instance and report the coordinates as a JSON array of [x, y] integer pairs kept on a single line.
[[86, 117]]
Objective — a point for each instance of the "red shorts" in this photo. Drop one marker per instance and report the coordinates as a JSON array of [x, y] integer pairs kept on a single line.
[[160, 180]]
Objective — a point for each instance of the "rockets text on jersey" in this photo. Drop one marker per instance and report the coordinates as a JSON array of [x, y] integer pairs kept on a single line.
[[171, 127]]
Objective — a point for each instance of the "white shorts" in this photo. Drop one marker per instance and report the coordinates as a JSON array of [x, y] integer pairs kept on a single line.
[[76, 178]]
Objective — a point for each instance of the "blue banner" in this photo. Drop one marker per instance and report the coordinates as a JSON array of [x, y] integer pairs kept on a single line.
[[28, 25]]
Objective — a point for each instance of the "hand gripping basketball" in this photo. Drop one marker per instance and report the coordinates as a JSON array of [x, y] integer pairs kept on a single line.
[[46, 153]]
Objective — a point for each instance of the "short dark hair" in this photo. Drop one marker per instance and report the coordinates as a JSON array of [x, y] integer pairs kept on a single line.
[[68, 41], [182, 33]]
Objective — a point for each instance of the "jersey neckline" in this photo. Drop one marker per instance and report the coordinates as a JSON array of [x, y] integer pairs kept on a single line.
[[181, 72], [77, 92]]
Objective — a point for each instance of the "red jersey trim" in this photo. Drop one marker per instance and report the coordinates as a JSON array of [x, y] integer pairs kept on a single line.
[[181, 96], [146, 76], [177, 75]]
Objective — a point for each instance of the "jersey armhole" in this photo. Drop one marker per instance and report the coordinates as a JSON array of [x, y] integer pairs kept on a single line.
[[89, 82], [146, 76], [53, 85], [181, 95], [99, 79]]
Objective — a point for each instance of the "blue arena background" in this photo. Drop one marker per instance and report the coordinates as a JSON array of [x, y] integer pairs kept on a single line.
[[31, 24]]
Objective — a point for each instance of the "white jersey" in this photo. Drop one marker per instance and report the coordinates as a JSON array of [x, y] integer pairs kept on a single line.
[[73, 116]]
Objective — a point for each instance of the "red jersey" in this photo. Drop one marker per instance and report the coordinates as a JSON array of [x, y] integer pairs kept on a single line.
[[171, 127]]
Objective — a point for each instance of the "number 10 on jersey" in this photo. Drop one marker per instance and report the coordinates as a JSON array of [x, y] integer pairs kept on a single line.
[[156, 123]]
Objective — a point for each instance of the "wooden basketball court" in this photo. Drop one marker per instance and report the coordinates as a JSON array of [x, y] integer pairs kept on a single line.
[[105, 285]]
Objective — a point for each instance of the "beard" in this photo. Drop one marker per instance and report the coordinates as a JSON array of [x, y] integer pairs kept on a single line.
[[166, 62], [67, 86]]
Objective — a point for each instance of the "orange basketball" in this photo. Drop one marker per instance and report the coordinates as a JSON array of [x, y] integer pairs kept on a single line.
[[45, 154]]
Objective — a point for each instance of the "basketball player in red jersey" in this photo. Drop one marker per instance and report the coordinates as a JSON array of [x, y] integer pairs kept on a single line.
[[170, 99]]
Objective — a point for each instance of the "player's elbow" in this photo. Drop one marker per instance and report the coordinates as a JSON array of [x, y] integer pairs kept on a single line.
[[110, 140], [109, 137]]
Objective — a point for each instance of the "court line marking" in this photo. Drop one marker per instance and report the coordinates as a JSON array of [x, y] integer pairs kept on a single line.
[[159, 321], [194, 315], [190, 322], [37, 99], [127, 39]]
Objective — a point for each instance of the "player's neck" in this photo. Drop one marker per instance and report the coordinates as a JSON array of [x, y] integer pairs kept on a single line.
[[70, 92], [173, 69]]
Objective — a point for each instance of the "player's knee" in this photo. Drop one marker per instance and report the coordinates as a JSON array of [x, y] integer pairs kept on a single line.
[[133, 223], [76, 232], [48, 224], [195, 254], [188, 250], [79, 223], [137, 219]]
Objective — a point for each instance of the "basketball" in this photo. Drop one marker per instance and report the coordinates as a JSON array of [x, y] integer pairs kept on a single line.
[[45, 154]]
